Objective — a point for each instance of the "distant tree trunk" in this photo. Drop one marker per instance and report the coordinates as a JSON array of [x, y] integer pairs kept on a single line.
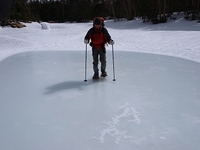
[[159, 9], [198, 3], [164, 6], [127, 4], [63, 10], [134, 8], [110, 5], [164, 10], [193, 4]]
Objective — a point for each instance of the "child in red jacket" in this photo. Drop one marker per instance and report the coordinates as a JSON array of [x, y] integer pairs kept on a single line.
[[99, 36]]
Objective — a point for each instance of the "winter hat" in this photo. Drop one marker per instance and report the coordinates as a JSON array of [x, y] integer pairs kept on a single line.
[[97, 21]]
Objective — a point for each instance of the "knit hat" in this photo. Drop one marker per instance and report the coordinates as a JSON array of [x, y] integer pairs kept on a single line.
[[97, 21]]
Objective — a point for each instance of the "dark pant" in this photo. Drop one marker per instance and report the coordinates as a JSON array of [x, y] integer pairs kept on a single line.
[[96, 53]]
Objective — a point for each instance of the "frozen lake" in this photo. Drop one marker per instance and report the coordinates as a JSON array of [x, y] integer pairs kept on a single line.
[[45, 103]]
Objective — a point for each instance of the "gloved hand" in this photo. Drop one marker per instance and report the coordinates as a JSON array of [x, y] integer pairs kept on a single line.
[[86, 41], [111, 42], [91, 44]]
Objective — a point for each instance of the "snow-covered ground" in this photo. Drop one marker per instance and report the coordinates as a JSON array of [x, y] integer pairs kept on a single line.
[[154, 103], [178, 38]]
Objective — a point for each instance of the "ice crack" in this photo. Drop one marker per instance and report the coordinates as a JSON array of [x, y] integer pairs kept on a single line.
[[113, 126]]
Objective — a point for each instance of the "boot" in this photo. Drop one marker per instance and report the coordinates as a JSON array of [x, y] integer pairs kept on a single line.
[[95, 76], [104, 74]]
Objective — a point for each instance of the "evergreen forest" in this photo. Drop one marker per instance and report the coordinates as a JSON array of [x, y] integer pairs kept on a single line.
[[156, 11]]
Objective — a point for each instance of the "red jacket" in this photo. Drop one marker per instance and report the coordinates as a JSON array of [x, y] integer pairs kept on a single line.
[[98, 37]]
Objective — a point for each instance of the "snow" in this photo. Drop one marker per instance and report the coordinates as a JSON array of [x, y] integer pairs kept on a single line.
[[154, 103], [45, 26]]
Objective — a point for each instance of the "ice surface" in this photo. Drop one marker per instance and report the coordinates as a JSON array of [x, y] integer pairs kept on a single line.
[[45, 103]]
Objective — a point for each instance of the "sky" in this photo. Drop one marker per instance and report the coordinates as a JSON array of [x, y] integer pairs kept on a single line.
[[153, 104]]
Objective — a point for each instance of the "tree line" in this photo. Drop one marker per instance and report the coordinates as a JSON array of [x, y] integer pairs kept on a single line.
[[155, 11]]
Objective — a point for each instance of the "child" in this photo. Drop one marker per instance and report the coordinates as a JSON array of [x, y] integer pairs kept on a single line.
[[99, 36]]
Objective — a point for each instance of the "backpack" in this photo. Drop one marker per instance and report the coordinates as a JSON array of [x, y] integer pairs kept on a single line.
[[102, 21], [102, 31]]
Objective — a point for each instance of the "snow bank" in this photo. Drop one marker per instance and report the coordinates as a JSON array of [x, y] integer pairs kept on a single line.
[[45, 26]]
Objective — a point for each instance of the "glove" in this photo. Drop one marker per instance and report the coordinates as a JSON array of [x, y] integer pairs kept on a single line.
[[111, 42], [86, 41], [91, 44]]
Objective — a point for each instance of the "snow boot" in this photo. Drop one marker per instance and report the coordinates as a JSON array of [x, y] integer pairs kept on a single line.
[[104, 74], [95, 76]]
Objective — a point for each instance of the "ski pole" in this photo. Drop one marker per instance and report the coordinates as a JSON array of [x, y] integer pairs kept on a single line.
[[113, 64], [85, 63]]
